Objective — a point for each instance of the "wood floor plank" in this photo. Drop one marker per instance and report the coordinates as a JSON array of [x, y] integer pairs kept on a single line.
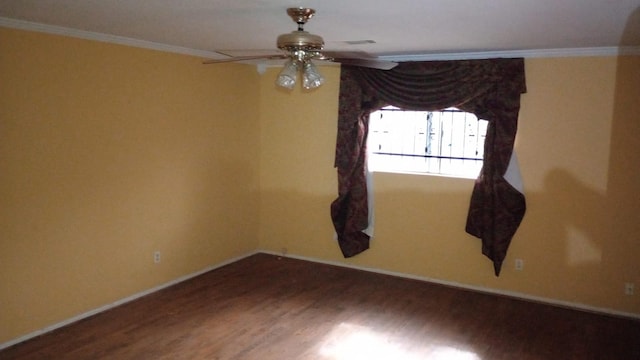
[[266, 307]]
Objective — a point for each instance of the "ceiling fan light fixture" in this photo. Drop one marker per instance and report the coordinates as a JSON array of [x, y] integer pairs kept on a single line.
[[289, 74], [311, 77]]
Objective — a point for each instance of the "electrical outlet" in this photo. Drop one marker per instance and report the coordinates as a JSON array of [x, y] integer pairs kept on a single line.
[[629, 288], [156, 257], [519, 264]]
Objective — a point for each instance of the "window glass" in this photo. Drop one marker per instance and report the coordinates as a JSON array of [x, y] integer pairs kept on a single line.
[[447, 142]]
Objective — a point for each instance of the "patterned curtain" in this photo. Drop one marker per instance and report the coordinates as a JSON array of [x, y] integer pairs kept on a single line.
[[489, 88]]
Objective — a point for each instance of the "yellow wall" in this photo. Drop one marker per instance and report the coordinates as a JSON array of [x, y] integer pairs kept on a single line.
[[578, 147], [108, 153]]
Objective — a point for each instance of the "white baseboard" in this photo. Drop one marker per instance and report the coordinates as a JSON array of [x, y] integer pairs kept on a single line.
[[120, 302], [511, 294]]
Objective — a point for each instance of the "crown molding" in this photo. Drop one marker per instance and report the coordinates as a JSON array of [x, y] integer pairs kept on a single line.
[[533, 53], [629, 51], [114, 39], [121, 40]]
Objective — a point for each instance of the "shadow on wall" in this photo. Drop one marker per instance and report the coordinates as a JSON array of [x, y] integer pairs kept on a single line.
[[631, 34], [623, 190], [589, 237]]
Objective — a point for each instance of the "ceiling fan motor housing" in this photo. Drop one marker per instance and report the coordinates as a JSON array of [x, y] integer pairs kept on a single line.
[[300, 40]]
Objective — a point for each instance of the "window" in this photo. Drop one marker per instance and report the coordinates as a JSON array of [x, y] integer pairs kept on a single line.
[[447, 142]]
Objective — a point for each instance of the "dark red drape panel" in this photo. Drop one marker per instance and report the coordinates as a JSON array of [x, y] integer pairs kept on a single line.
[[489, 88]]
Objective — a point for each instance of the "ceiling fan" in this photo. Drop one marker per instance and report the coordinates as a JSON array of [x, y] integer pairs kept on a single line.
[[300, 47]]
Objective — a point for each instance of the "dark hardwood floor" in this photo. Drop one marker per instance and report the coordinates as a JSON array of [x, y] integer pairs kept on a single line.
[[266, 307]]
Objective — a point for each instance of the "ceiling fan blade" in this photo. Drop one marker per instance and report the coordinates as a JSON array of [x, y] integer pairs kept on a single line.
[[359, 58], [245, 58], [368, 63]]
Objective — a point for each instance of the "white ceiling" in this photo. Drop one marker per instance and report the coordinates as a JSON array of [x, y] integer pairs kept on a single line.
[[399, 27]]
